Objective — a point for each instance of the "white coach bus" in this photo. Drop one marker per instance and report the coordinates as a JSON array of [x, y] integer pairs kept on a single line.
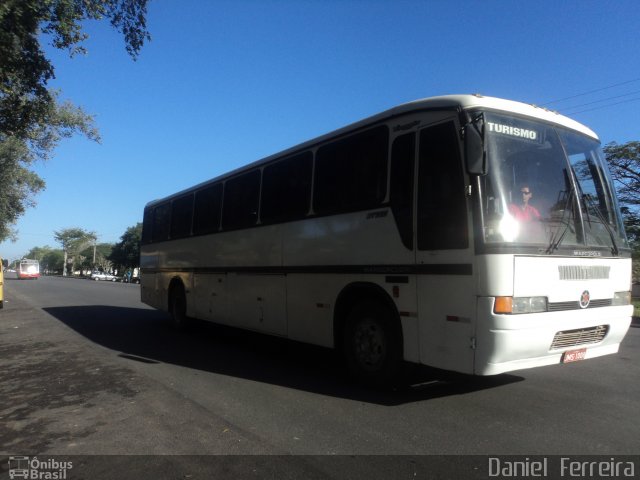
[[464, 232]]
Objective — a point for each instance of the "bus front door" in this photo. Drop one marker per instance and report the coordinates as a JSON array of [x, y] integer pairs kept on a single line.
[[444, 256]]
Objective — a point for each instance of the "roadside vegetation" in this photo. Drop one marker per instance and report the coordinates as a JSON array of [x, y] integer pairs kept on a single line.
[[80, 252]]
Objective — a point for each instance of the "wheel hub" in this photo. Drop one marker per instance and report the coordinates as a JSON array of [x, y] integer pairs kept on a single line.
[[370, 345]]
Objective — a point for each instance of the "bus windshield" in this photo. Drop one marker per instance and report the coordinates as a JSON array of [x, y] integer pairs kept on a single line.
[[547, 188]]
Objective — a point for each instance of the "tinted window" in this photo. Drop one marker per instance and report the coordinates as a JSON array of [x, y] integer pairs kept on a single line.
[[286, 189], [147, 225], [241, 195], [181, 215], [161, 219], [402, 166], [207, 209], [442, 214], [351, 174]]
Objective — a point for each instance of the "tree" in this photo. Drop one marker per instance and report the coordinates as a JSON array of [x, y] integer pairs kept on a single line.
[[624, 164], [19, 183], [32, 120], [126, 253], [73, 241], [51, 259], [37, 253], [96, 257], [53, 262]]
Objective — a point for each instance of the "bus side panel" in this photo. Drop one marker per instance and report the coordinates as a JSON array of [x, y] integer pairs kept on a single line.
[[258, 302], [310, 306], [446, 306], [210, 297], [149, 282], [254, 247], [365, 238], [339, 250], [149, 292]]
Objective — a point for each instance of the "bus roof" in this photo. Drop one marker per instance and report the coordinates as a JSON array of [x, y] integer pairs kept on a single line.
[[478, 101], [464, 101]]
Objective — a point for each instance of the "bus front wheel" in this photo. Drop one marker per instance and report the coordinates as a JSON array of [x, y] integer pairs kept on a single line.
[[373, 344]]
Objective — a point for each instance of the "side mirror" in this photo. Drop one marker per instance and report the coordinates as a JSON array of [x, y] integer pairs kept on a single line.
[[475, 155]]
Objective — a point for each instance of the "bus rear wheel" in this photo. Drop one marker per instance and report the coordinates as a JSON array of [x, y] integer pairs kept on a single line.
[[178, 307], [373, 344]]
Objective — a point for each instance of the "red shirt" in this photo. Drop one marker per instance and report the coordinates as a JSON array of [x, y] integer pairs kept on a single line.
[[524, 214]]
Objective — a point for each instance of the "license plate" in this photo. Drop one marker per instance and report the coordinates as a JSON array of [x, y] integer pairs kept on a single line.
[[574, 355]]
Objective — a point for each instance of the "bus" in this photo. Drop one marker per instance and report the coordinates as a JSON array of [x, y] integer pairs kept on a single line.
[[463, 232], [3, 264], [28, 269]]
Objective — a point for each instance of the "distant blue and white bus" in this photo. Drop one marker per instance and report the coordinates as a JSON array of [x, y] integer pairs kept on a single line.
[[463, 232]]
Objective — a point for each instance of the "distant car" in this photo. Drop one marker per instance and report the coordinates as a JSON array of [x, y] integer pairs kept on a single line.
[[103, 276]]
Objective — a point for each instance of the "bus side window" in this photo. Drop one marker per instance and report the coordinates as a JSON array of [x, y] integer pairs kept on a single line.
[[181, 215], [402, 166], [351, 173], [207, 209], [240, 205], [147, 225], [442, 213], [286, 189], [161, 219]]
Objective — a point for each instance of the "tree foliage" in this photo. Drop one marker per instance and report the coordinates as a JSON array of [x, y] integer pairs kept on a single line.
[[19, 183], [126, 253], [32, 119], [96, 257], [25, 68], [73, 241], [51, 259], [624, 164]]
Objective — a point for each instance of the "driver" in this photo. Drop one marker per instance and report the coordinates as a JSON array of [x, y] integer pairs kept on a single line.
[[524, 212]]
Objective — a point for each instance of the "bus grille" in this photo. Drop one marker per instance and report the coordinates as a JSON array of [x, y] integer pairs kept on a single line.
[[581, 336], [583, 272], [562, 306]]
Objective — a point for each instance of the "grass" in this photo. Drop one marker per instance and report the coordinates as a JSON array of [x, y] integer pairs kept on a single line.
[[636, 307]]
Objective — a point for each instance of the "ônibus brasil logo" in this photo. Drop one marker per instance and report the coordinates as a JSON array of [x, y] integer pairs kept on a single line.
[[32, 468]]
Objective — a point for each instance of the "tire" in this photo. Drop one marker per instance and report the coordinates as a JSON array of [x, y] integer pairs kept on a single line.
[[372, 344], [178, 307], [96, 279]]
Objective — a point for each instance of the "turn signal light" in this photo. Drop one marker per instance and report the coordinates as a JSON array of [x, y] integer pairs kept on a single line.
[[516, 305], [503, 305]]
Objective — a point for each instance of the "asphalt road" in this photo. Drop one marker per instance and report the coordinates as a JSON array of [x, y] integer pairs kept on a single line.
[[86, 369]]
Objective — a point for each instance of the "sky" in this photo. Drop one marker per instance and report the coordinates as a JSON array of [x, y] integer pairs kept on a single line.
[[225, 83]]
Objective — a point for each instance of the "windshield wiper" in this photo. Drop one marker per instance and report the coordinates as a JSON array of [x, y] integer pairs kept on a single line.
[[558, 235], [591, 205]]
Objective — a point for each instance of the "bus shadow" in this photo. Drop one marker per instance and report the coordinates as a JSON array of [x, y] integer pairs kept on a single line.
[[145, 335]]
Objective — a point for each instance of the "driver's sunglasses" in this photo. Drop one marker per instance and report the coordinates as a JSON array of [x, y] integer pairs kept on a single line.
[[526, 192]]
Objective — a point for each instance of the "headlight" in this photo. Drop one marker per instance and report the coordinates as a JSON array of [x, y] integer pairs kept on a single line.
[[621, 298], [517, 305]]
